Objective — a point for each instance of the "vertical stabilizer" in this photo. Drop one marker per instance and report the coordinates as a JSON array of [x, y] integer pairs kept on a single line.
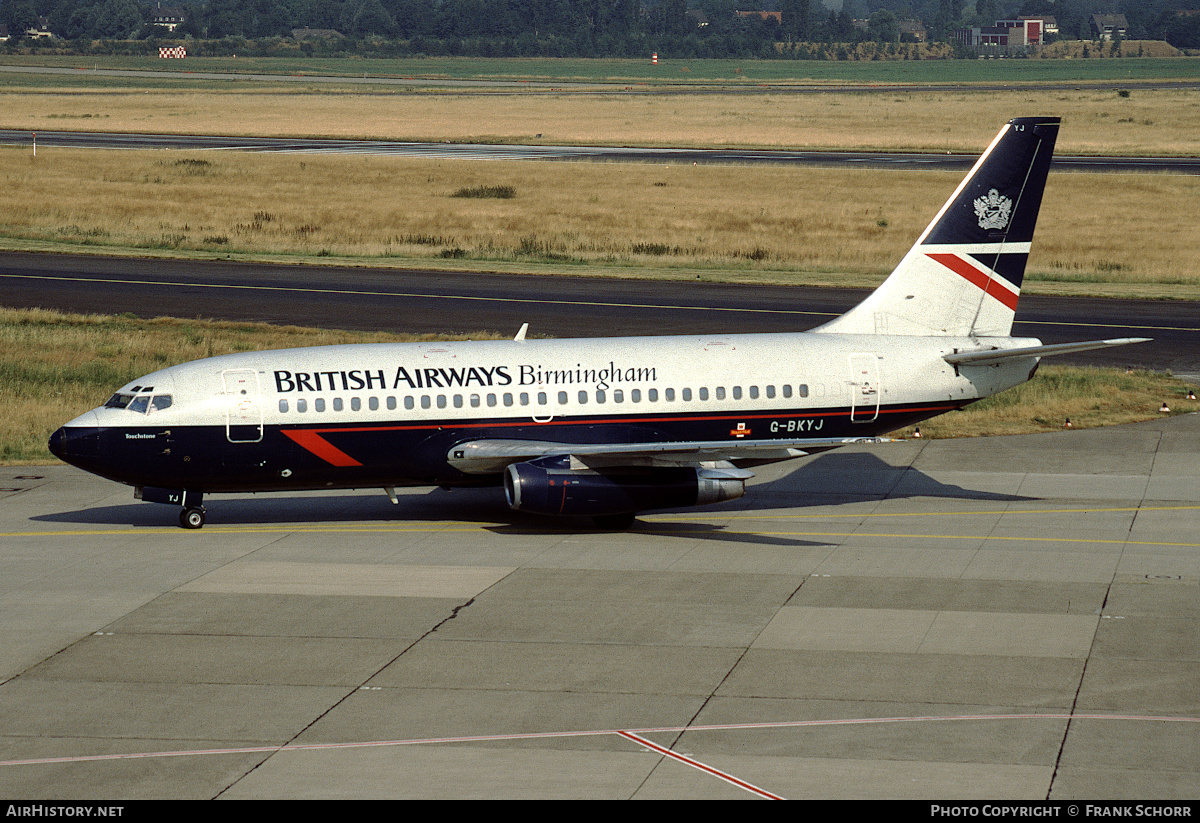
[[963, 275]]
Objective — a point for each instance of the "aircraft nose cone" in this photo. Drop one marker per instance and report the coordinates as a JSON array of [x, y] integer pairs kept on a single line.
[[78, 440]]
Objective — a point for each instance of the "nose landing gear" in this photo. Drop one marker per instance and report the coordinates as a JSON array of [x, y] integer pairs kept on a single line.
[[192, 517]]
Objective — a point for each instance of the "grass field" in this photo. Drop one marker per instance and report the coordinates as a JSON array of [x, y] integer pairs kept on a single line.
[[1160, 63], [750, 223], [1096, 121], [55, 366]]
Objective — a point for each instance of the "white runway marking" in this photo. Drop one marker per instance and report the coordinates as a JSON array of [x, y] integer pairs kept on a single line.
[[635, 735]]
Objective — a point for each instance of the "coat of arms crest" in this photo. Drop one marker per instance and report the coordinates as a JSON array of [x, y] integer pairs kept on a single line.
[[993, 210]]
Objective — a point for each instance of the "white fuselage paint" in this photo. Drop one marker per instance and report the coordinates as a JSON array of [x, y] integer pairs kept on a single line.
[[548, 379]]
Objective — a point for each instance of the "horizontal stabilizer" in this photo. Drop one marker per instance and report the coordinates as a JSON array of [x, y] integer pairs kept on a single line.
[[979, 358]]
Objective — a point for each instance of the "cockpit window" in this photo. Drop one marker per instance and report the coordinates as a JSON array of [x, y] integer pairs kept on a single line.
[[140, 403], [118, 401]]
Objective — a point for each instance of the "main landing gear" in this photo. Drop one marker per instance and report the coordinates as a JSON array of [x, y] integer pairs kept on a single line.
[[192, 517]]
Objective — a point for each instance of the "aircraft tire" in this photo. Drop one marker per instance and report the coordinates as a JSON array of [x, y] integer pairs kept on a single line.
[[191, 518]]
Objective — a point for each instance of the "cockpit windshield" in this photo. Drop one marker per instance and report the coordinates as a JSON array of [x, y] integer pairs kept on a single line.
[[140, 403], [118, 401]]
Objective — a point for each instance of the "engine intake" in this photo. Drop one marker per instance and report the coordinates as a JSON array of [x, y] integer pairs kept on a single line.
[[549, 485]]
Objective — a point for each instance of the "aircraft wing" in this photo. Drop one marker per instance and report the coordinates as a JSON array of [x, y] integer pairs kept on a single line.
[[491, 456], [985, 356]]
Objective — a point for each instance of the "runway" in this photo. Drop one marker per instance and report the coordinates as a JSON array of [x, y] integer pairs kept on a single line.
[[558, 306], [611, 154], [999, 619]]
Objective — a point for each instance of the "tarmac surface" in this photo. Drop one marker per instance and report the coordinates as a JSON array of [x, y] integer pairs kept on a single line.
[[607, 154], [998, 618]]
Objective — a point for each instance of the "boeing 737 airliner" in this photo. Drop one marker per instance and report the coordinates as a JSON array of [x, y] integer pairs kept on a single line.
[[603, 427]]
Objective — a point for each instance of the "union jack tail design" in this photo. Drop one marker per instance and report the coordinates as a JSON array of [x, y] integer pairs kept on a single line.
[[963, 275]]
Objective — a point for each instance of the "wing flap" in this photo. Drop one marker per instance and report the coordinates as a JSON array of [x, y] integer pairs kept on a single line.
[[492, 456]]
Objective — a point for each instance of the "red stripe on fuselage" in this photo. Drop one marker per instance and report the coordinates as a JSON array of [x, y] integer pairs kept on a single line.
[[976, 277], [313, 440]]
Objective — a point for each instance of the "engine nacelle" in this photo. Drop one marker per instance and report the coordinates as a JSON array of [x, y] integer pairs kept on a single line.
[[549, 485]]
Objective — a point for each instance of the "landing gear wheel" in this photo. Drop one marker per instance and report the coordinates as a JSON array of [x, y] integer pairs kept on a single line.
[[192, 518], [614, 522]]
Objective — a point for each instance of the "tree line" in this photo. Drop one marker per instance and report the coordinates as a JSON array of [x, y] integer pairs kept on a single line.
[[572, 28]]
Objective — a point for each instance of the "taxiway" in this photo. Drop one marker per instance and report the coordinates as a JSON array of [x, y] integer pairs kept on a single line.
[[992, 618]]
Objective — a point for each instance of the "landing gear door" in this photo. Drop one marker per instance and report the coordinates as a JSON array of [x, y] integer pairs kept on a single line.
[[864, 388], [243, 406]]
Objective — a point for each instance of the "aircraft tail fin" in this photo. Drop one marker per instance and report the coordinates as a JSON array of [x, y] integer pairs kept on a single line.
[[963, 276]]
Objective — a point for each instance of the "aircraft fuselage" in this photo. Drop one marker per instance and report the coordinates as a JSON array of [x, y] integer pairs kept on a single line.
[[391, 414]]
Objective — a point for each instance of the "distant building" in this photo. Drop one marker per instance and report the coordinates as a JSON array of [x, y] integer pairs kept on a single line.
[[1108, 26], [1023, 32], [777, 16], [41, 31], [911, 31], [169, 17], [1006, 36], [1049, 25], [992, 37]]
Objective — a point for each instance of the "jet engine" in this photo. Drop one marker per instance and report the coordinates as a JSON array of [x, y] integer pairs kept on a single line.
[[551, 485]]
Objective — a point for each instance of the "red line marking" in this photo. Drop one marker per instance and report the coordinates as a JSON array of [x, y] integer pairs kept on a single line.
[[704, 767], [978, 278]]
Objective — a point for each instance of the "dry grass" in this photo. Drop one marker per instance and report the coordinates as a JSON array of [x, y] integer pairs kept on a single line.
[[771, 221], [55, 366], [1087, 397], [1148, 121]]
